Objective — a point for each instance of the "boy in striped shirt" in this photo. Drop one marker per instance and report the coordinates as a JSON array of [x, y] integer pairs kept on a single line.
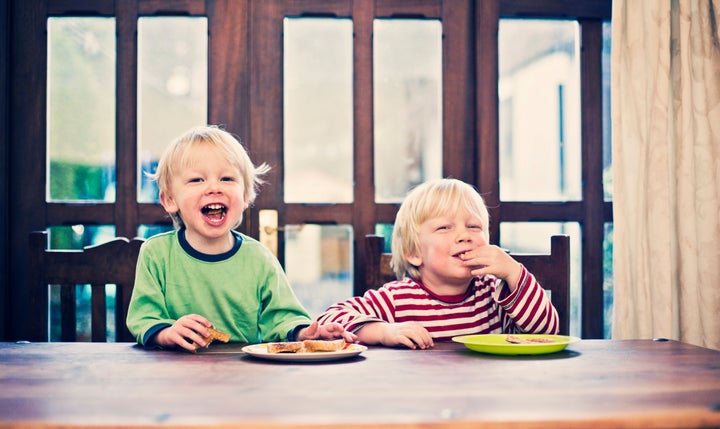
[[451, 280]]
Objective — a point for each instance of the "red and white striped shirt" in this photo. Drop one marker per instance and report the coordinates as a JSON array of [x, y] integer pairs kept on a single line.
[[487, 307]]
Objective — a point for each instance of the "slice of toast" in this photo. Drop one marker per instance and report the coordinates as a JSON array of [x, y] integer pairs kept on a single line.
[[285, 347], [311, 346], [216, 335]]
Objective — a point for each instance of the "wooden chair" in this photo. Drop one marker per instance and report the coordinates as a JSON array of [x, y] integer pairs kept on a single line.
[[552, 271], [108, 263]]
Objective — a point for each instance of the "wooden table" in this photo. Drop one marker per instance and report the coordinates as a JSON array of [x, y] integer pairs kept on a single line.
[[638, 384]]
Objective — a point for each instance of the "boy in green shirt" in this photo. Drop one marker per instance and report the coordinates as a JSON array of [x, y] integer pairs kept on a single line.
[[204, 274]]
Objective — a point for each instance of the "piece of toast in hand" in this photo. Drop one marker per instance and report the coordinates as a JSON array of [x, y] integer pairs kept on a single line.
[[216, 335]]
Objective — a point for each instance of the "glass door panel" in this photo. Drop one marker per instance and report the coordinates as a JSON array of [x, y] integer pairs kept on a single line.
[[81, 109], [407, 100], [318, 110], [172, 88], [539, 110]]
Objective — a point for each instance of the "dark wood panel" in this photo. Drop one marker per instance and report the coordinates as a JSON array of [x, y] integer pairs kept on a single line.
[[486, 111], [26, 175], [170, 7], [409, 8], [125, 210], [363, 147], [458, 115], [80, 7], [591, 43], [80, 214], [320, 8], [319, 213], [541, 211], [598, 9], [152, 214], [5, 167]]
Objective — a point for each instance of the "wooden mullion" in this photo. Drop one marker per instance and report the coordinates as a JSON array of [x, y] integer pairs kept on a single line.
[[591, 41], [363, 143], [125, 207], [576, 9], [486, 110], [458, 91]]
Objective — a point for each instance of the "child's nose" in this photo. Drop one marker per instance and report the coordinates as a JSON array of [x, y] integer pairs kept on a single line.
[[463, 235], [213, 186]]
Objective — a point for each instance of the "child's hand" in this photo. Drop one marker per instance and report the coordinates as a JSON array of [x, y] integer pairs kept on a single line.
[[330, 331], [493, 260], [187, 332], [409, 334]]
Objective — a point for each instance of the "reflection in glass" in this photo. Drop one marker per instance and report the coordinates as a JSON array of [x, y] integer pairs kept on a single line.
[[319, 264], [147, 231], [606, 118], [81, 109], [385, 230], [534, 237], [608, 280], [318, 110], [172, 88], [407, 95], [539, 117]]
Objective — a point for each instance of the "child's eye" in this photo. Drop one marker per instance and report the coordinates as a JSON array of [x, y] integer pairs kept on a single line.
[[478, 227], [228, 179], [195, 180]]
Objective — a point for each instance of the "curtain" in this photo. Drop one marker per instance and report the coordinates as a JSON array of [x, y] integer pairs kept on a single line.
[[666, 170]]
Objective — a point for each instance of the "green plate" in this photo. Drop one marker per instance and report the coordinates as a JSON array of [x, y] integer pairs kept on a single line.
[[497, 344]]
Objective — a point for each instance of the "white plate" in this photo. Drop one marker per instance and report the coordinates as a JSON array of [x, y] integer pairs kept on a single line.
[[260, 351]]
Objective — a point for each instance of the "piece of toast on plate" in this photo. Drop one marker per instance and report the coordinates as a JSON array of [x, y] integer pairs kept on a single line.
[[285, 347], [307, 346]]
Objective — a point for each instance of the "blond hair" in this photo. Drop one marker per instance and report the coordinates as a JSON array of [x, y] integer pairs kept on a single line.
[[175, 158], [426, 201]]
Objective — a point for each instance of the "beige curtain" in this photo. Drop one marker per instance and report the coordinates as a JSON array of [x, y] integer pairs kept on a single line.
[[666, 169]]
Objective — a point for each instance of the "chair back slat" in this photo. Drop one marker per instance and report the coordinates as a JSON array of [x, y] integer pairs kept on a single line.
[[98, 310], [113, 262], [552, 271], [68, 312]]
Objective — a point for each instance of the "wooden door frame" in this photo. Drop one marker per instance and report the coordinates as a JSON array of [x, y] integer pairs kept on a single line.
[[266, 98]]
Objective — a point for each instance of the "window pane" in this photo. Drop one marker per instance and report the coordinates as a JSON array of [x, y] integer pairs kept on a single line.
[[172, 88], [79, 236], [385, 230], [607, 119], [534, 237], [407, 96], [318, 263], [608, 280], [539, 110], [81, 109], [147, 231], [318, 110]]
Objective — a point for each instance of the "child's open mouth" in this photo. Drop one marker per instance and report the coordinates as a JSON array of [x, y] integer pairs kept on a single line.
[[459, 255], [214, 212]]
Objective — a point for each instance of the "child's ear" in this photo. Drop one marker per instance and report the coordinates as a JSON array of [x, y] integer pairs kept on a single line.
[[414, 260], [168, 203]]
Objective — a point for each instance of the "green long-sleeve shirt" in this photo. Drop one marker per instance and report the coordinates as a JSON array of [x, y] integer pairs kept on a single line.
[[243, 292]]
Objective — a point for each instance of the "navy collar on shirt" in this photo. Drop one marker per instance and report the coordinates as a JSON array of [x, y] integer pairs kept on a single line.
[[204, 256]]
